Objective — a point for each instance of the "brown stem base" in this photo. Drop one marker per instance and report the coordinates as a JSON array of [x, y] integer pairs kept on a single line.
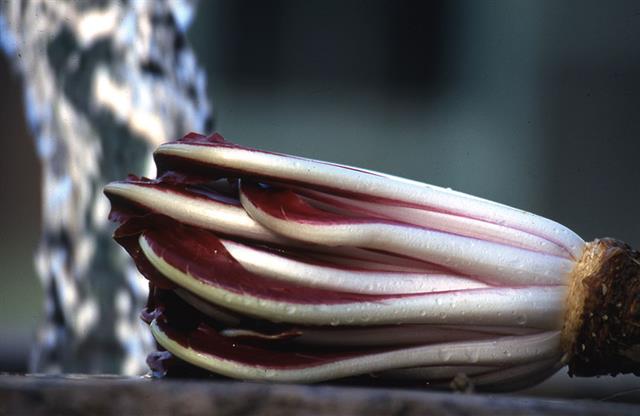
[[601, 333]]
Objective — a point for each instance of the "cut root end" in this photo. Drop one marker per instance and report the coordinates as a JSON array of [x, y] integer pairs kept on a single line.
[[601, 333]]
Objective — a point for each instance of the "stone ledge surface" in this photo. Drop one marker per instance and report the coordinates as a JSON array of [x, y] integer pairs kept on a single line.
[[111, 395]]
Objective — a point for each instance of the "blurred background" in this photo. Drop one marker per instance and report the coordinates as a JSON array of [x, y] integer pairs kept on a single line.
[[532, 104]]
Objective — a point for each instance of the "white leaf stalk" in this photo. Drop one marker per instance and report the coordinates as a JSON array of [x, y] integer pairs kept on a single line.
[[280, 268]]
